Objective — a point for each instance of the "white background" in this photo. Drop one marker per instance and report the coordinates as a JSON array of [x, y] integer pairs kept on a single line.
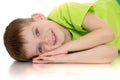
[[11, 9]]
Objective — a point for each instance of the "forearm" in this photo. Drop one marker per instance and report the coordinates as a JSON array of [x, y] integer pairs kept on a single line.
[[100, 54], [90, 40], [100, 33]]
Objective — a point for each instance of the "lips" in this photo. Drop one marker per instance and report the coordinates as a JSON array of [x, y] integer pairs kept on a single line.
[[54, 38]]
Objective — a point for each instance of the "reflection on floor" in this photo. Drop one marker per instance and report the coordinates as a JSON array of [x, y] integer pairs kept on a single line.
[[29, 71], [116, 62]]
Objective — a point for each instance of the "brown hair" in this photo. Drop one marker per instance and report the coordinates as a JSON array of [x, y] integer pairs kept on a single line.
[[13, 39]]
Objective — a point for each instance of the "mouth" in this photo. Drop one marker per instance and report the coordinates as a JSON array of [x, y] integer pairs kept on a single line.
[[54, 38]]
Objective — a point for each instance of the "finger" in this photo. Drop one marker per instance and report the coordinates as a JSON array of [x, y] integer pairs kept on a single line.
[[48, 58], [52, 54], [36, 58], [42, 62], [47, 54]]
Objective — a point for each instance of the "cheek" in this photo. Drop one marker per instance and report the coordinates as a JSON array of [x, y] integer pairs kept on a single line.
[[45, 36], [44, 30]]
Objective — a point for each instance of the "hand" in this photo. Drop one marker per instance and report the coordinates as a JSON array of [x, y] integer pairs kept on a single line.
[[56, 55], [50, 59], [55, 52]]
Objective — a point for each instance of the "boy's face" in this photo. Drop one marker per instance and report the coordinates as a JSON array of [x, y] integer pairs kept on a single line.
[[42, 36]]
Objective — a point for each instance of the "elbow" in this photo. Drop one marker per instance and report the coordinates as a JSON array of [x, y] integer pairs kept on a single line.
[[109, 35], [112, 55]]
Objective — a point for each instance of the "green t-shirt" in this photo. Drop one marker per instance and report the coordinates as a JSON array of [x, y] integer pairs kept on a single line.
[[71, 15]]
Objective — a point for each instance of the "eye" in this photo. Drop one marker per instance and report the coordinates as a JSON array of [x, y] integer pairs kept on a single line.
[[37, 32], [40, 48]]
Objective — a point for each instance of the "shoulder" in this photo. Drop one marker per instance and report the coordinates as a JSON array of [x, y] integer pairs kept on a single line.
[[73, 4]]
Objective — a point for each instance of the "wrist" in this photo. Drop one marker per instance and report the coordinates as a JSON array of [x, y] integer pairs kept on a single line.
[[63, 49]]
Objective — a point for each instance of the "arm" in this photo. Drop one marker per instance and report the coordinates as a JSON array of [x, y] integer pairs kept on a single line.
[[100, 54], [100, 33]]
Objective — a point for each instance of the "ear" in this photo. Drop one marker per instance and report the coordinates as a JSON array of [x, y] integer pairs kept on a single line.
[[38, 16]]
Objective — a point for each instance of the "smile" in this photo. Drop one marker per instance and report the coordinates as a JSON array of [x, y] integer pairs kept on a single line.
[[54, 38]]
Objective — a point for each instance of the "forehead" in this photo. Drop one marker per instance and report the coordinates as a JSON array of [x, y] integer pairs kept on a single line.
[[30, 45]]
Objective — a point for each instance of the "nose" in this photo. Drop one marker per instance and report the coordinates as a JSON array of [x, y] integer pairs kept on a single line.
[[44, 41], [46, 48]]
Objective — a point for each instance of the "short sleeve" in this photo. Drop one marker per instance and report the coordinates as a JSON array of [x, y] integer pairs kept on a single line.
[[70, 15]]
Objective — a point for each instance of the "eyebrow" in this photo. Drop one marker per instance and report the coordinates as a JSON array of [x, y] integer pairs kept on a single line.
[[33, 31], [34, 36]]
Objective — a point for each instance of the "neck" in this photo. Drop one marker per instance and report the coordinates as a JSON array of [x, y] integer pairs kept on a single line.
[[67, 34]]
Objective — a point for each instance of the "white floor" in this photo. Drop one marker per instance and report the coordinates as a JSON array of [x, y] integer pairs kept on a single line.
[[28, 71], [11, 70]]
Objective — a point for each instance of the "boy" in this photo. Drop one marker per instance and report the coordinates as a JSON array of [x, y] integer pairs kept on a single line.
[[72, 33]]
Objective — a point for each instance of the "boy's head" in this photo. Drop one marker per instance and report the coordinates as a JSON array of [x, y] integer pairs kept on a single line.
[[25, 39], [14, 41]]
